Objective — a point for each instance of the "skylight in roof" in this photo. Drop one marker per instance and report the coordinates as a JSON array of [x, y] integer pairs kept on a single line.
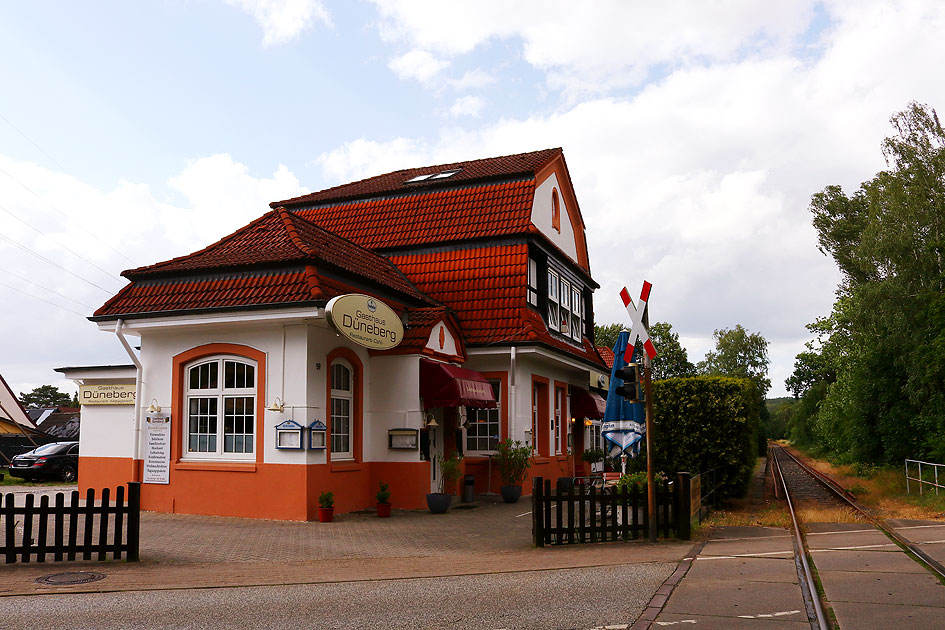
[[445, 174], [433, 176]]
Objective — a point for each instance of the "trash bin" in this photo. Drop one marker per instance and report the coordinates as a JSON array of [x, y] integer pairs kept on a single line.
[[469, 488]]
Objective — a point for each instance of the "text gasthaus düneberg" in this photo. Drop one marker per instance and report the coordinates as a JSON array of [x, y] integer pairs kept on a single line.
[[370, 325]]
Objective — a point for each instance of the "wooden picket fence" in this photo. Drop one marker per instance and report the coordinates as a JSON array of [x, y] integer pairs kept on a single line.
[[68, 531], [585, 514]]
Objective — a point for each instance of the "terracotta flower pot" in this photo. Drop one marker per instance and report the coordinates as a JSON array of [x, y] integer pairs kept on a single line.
[[326, 515], [383, 510]]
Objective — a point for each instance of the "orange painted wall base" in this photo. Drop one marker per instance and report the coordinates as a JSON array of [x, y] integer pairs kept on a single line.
[[274, 491]]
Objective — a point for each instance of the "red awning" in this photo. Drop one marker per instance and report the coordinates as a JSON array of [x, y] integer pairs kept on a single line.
[[585, 404], [443, 385]]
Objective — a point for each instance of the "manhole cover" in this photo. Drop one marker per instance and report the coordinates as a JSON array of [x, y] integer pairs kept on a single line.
[[70, 577]]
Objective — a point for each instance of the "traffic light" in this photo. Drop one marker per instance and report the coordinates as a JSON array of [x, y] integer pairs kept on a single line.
[[630, 389]]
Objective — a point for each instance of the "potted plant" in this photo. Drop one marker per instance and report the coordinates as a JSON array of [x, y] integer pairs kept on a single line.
[[513, 459], [326, 507], [383, 505], [593, 456], [450, 471]]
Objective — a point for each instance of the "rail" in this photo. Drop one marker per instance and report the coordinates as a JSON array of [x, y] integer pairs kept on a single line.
[[921, 478], [936, 567], [822, 622]]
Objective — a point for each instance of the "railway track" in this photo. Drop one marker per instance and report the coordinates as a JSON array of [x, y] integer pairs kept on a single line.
[[796, 482]]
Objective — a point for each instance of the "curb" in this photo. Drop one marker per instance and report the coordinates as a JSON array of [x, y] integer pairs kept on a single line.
[[659, 599]]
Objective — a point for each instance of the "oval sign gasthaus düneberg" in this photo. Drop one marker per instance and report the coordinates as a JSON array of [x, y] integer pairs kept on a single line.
[[365, 320]]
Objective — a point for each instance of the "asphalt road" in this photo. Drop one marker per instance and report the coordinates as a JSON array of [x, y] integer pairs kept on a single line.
[[567, 598]]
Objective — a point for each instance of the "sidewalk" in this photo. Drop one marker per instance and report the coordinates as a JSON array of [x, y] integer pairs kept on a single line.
[[183, 551]]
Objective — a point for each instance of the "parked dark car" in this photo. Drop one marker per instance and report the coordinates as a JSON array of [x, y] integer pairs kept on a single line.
[[57, 460]]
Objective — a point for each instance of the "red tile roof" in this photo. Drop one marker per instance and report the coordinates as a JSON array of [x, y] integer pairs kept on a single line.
[[438, 216], [220, 291], [473, 171], [607, 355], [273, 260], [486, 288]]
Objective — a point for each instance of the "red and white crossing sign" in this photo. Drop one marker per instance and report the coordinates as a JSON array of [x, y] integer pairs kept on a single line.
[[637, 329]]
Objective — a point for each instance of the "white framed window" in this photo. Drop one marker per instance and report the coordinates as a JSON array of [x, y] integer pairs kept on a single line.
[[559, 400], [220, 404], [533, 282], [553, 301], [482, 434], [577, 319], [342, 401], [535, 394]]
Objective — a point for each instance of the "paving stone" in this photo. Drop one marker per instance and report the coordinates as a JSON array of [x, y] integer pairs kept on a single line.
[[871, 616], [732, 598], [795, 621], [746, 569], [918, 589], [868, 561]]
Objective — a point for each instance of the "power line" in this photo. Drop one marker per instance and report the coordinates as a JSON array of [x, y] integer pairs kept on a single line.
[[36, 284], [74, 253], [65, 308], [53, 263], [66, 216], [54, 161]]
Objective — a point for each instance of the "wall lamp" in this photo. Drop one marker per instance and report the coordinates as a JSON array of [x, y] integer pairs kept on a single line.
[[154, 407], [277, 405]]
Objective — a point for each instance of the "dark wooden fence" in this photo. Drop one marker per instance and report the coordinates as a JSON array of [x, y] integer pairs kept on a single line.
[[67, 531], [581, 514]]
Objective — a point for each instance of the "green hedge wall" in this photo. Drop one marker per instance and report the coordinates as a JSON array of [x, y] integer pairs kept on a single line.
[[704, 423]]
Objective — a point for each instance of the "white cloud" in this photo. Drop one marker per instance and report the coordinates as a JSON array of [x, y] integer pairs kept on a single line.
[[472, 80], [365, 158], [700, 182], [467, 106], [417, 64], [600, 46], [110, 230], [284, 20]]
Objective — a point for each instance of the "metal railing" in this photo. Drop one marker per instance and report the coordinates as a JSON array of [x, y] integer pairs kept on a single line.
[[921, 476]]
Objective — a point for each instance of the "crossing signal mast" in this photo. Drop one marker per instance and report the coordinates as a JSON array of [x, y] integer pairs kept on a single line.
[[631, 383]]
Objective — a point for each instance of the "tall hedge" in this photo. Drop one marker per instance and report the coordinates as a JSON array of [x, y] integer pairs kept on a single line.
[[705, 423]]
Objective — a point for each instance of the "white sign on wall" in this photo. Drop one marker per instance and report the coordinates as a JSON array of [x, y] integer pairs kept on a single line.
[[157, 448], [365, 320], [107, 394]]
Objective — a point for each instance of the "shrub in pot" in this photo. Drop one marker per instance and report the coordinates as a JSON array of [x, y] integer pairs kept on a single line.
[[450, 471], [326, 507], [513, 459], [383, 503]]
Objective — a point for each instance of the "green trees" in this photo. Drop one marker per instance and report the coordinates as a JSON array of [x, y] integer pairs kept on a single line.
[[873, 382], [741, 354], [672, 360], [47, 396]]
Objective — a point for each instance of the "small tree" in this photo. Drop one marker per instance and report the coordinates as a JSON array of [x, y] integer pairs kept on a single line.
[[450, 471], [513, 458], [46, 396]]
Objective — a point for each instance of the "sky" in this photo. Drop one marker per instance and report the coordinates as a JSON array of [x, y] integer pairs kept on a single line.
[[695, 133]]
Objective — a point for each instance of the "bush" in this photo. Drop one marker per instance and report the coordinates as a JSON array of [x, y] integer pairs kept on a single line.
[[326, 499], [593, 455], [705, 423], [513, 459], [383, 494], [450, 471]]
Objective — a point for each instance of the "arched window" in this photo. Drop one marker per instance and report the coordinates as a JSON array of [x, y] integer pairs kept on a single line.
[[555, 210], [220, 405], [342, 410]]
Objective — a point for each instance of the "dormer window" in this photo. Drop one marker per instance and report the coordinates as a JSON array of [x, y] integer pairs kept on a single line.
[[433, 176]]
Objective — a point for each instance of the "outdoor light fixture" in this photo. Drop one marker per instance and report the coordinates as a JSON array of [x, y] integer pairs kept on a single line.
[[587, 422], [154, 407], [431, 421], [277, 405]]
